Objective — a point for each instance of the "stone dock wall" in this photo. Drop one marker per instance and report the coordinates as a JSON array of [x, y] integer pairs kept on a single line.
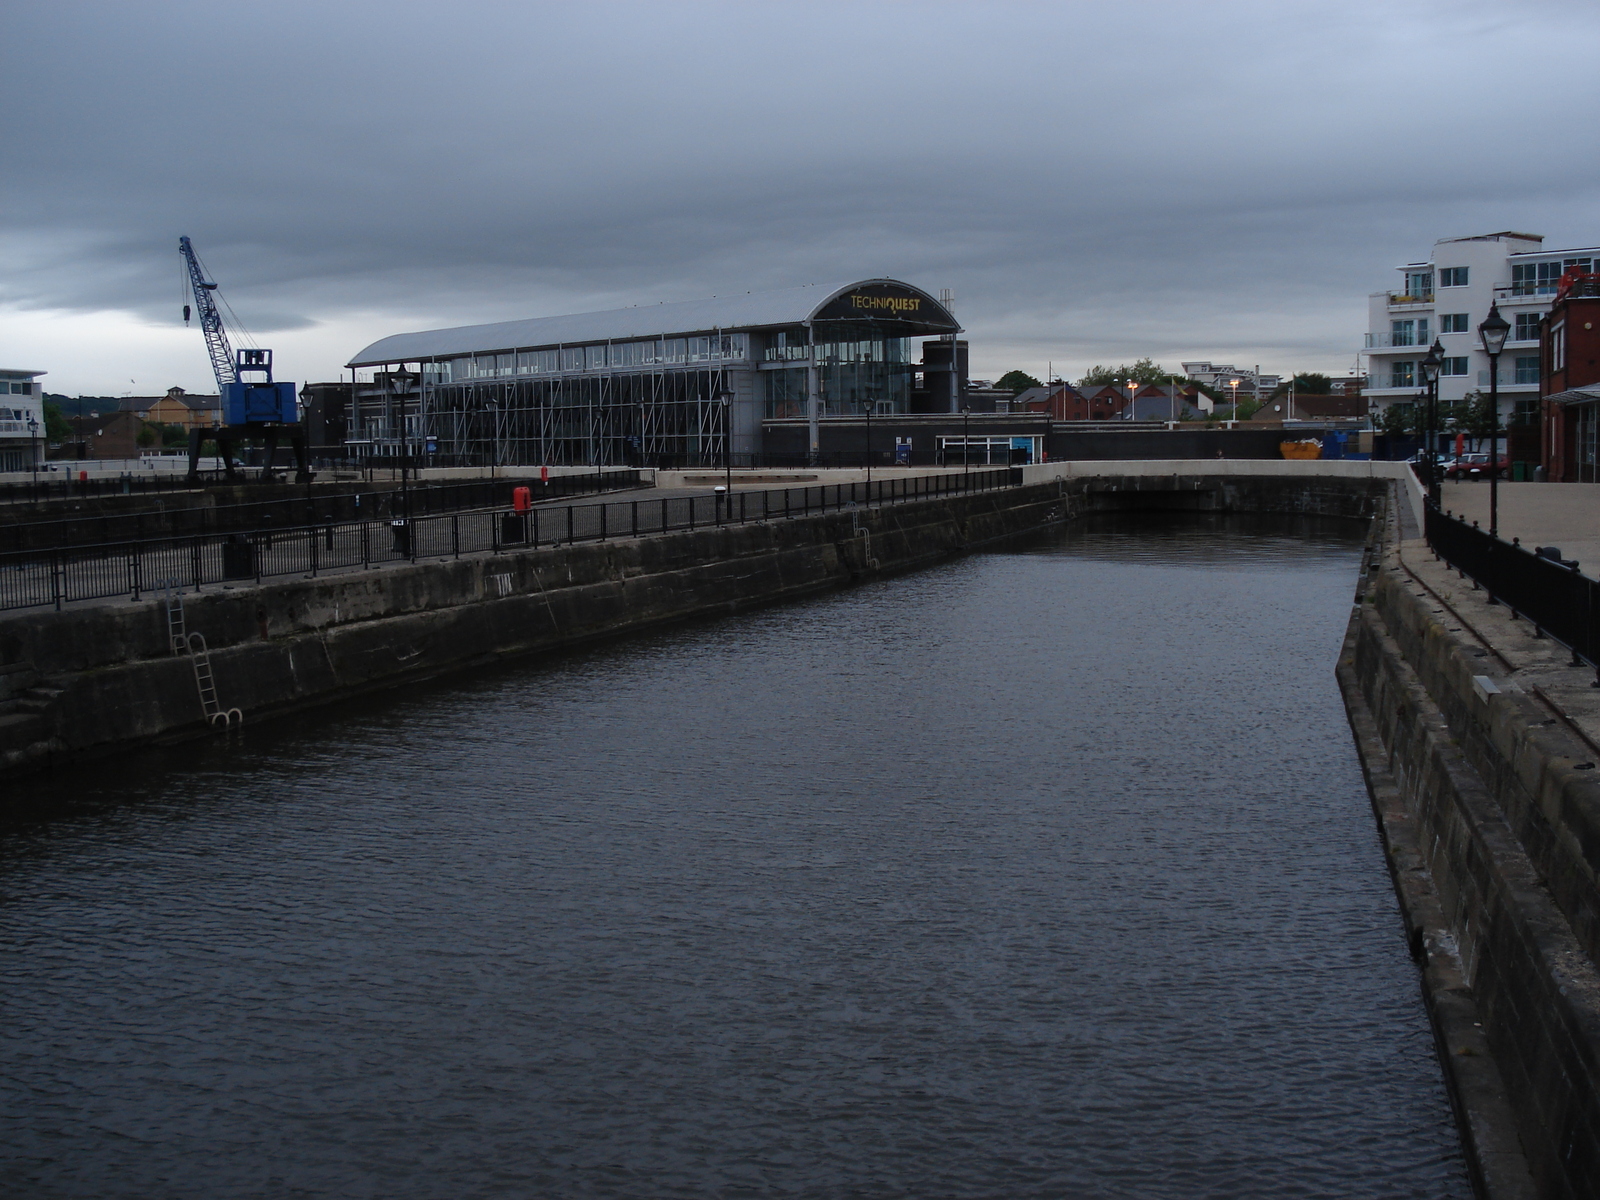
[[1476, 739], [97, 677], [94, 678], [1476, 736]]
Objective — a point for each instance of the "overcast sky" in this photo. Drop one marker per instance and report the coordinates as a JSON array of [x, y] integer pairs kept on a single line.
[[1096, 181]]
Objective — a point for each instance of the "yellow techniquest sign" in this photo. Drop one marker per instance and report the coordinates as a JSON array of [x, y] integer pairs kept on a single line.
[[894, 304]]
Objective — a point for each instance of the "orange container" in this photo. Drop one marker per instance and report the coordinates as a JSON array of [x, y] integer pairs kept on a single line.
[[521, 499]]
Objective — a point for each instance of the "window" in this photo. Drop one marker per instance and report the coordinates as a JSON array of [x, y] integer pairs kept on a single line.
[[538, 362], [1525, 412], [1527, 328], [1402, 374], [1527, 368], [572, 358], [1453, 323], [1535, 279], [1452, 277], [1419, 284], [1558, 347], [1454, 366], [1404, 333]]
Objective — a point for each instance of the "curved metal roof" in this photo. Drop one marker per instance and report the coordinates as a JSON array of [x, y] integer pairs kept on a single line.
[[752, 310]]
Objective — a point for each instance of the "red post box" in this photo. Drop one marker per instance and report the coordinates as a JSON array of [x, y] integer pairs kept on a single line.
[[522, 499]]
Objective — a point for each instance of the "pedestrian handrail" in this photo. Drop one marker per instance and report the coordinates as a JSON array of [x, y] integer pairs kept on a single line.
[[33, 578], [1547, 591], [291, 508]]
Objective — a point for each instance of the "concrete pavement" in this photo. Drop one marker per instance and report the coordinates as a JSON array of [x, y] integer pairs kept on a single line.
[[1540, 514]]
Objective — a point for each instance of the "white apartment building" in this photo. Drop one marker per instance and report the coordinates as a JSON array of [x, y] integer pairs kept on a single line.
[[1447, 297], [21, 420]]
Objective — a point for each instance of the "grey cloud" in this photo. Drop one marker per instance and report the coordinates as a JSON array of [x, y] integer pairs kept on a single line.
[[1161, 177]]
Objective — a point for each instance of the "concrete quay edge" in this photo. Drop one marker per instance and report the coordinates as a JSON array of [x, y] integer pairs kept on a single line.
[[296, 643], [1490, 814]]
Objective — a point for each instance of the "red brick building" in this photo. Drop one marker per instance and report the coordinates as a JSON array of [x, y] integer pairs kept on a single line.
[[1569, 357], [109, 435]]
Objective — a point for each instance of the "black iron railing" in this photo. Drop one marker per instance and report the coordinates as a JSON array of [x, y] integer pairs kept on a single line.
[[298, 507], [1548, 592], [134, 568]]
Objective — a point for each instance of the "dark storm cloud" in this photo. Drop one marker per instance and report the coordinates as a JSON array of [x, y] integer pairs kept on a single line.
[[1106, 179]]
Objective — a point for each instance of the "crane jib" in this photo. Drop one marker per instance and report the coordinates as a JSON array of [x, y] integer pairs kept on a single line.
[[254, 401]]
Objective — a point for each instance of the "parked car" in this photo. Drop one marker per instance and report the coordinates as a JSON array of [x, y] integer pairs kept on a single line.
[[1476, 466], [1418, 463]]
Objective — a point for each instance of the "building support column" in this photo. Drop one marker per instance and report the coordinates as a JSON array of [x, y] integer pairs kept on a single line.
[[813, 398]]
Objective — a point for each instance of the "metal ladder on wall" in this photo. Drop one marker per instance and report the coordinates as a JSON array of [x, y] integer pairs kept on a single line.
[[194, 645], [177, 639]]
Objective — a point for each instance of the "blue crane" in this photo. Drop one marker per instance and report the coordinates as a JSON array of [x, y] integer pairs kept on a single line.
[[210, 320], [252, 404]]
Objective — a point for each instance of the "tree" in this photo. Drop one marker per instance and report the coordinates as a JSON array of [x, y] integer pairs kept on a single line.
[[1401, 419], [147, 435], [1306, 383], [174, 436], [1017, 382], [1247, 409], [1476, 419], [57, 428], [1143, 371]]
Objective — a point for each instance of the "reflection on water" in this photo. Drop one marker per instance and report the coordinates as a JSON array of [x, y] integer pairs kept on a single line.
[[1045, 873]]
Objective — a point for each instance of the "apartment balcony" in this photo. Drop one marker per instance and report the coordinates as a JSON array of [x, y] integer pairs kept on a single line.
[[1525, 293], [1395, 341], [1403, 300], [1514, 380]]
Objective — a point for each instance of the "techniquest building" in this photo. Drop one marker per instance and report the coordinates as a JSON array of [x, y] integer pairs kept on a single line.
[[680, 384]]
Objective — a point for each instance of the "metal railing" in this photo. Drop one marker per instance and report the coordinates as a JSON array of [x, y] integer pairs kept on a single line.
[[1395, 340], [32, 579], [299, 508], [1513, 377], [1547, 591]]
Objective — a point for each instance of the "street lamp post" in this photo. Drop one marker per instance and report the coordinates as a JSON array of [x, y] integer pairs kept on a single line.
[[33, 450], [966, 439], [1234, 415], [1493, 331], [399, 386], [1430, 372], [870, 405]]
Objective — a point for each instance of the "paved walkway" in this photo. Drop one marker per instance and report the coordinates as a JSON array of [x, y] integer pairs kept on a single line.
[[1541, 514]]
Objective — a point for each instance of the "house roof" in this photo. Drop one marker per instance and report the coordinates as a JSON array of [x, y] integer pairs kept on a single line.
[[751, 310]]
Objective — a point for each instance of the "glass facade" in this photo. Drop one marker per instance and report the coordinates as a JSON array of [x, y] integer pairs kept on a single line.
[[859, 369], [682, 399], [602, 356]]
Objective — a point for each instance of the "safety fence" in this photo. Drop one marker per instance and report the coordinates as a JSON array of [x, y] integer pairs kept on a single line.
[[300, 508], [32, 579], [1534, 584]]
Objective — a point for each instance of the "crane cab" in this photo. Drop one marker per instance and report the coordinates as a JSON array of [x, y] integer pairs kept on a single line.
[[256, 399]]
